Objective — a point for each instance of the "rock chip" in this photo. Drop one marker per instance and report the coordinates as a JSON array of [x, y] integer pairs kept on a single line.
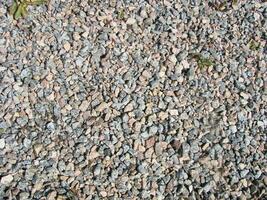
[[2, 143], [6, 180]]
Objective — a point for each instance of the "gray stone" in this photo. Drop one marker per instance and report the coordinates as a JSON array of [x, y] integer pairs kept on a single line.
[[153, 130], [22, 121], [25, 73], [27, 143], [97, 170], [51, 126]]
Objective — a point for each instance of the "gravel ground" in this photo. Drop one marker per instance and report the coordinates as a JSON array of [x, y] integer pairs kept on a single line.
[[111, 100]]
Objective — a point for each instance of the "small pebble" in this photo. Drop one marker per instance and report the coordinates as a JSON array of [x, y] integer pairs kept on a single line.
[[6, 180], [2, 143]]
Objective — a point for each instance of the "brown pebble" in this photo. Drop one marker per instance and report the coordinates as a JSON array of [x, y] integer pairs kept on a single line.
[[150, 142], [176, 144]]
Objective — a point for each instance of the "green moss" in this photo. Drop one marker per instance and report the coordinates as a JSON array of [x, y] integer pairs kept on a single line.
[[202, 62], [234, 2], [253, 45], [121, 14], [2, 130], [19, 7]]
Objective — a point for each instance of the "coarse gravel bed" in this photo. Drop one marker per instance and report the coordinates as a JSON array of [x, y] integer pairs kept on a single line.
[[127, 99]]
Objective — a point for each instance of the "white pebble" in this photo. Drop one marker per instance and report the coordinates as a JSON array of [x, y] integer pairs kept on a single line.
[[131, 21], [5, 180], [2, 143]]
